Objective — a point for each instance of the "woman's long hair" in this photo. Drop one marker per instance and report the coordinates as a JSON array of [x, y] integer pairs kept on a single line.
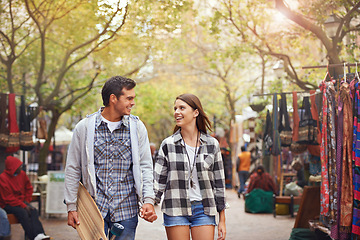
[[202, 121]]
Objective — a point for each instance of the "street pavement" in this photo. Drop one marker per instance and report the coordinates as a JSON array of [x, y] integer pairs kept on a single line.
[[239, 225]]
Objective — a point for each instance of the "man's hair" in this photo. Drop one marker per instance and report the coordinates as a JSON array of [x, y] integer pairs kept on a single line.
[[243, 148], [115, 86]]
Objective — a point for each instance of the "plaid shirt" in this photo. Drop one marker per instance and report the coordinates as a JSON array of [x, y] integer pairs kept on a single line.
[[172, 175], [114, 176]]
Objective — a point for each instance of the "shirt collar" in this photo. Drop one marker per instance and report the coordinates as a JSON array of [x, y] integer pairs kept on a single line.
[[178, 138], [124, 121]]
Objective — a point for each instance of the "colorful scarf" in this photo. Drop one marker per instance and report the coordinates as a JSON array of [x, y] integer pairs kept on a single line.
[[356, 167], [324, 189], [346, 196]]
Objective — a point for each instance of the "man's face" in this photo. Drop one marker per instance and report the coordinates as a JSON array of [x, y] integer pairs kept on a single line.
[[18, 171], [125, 102]]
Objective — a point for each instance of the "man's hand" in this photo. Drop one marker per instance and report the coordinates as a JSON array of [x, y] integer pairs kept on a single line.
[[147, 212], [73, 219]]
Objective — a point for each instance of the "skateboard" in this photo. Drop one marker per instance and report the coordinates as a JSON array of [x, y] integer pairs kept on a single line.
[[91, 222]]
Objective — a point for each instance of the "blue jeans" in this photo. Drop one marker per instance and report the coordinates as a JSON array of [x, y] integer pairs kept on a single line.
[[4, 223], [129, 227], [198, 217], [243, 176]]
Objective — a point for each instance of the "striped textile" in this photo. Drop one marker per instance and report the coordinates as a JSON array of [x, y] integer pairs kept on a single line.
[[356, 167]]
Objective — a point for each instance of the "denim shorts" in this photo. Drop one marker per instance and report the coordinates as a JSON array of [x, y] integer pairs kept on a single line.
[[198, 218]]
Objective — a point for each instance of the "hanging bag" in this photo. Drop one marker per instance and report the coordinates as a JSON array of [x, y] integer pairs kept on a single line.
[[14, 140], [268, 142], [284, 131], [314, 150], [307, 126], [26, 135], [4, 131]]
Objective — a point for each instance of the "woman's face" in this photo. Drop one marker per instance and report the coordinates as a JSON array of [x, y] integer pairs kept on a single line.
[[184, 114]]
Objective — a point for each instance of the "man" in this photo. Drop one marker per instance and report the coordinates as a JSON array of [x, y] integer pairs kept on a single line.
[[110, 154], [243, 167], [15, 197]]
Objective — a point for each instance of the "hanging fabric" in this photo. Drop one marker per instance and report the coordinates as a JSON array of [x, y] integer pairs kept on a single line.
[[344, 162], [26, 135], [295, 147], [356, 164], [14, 140], [328, 189], [285, 131], [41, 125], [276, 149], [4, 131]]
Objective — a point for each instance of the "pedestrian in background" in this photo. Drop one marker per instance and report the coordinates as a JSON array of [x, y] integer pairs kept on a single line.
[[261, 179], [15, 197], [243, 166], [110, 153], [189, 171]]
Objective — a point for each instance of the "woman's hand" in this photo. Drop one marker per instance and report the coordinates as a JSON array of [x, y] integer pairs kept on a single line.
[[221, 226]]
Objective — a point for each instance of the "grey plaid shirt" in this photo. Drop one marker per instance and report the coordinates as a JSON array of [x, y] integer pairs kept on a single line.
[[172, 173]]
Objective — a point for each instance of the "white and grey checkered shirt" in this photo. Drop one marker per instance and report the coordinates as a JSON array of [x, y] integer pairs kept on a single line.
[[172, 171]]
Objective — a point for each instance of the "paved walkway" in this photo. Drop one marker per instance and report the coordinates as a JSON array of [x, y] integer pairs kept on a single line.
[[240, 225]]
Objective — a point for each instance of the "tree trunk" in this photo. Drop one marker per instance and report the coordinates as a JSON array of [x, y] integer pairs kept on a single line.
[[44, 151]]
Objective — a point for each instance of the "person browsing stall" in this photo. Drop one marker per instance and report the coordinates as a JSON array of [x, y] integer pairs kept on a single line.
[[189, 172], [110, 153]]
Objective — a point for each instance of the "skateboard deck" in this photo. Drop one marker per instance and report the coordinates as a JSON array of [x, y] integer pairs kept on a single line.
[[91, 222]]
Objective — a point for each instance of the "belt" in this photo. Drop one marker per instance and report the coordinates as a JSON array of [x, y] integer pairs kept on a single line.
[[196, 202]]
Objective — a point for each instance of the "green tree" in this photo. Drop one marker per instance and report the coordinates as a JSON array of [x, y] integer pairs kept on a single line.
[[60, 47]]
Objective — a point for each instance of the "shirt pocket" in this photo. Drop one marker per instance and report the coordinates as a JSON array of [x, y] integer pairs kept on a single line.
[[100, 148], [208, 162]]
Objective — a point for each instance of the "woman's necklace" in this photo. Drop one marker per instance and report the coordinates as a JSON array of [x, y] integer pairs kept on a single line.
[[192, 183]]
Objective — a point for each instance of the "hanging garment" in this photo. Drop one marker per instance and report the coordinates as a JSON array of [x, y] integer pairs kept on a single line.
[[41, 125], [296, 147], [26, 135], [276, 149], [328, 187], [356, 167], [4, 131], [285, 131], [344, 164], [14, 140], [339, 144], [332, 155]]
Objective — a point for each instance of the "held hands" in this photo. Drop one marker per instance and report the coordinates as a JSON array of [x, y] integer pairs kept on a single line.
[[147, 212], [73, 219]]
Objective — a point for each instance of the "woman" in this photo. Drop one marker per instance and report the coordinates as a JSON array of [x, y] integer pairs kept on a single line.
[[189, 171], [261, 179]]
